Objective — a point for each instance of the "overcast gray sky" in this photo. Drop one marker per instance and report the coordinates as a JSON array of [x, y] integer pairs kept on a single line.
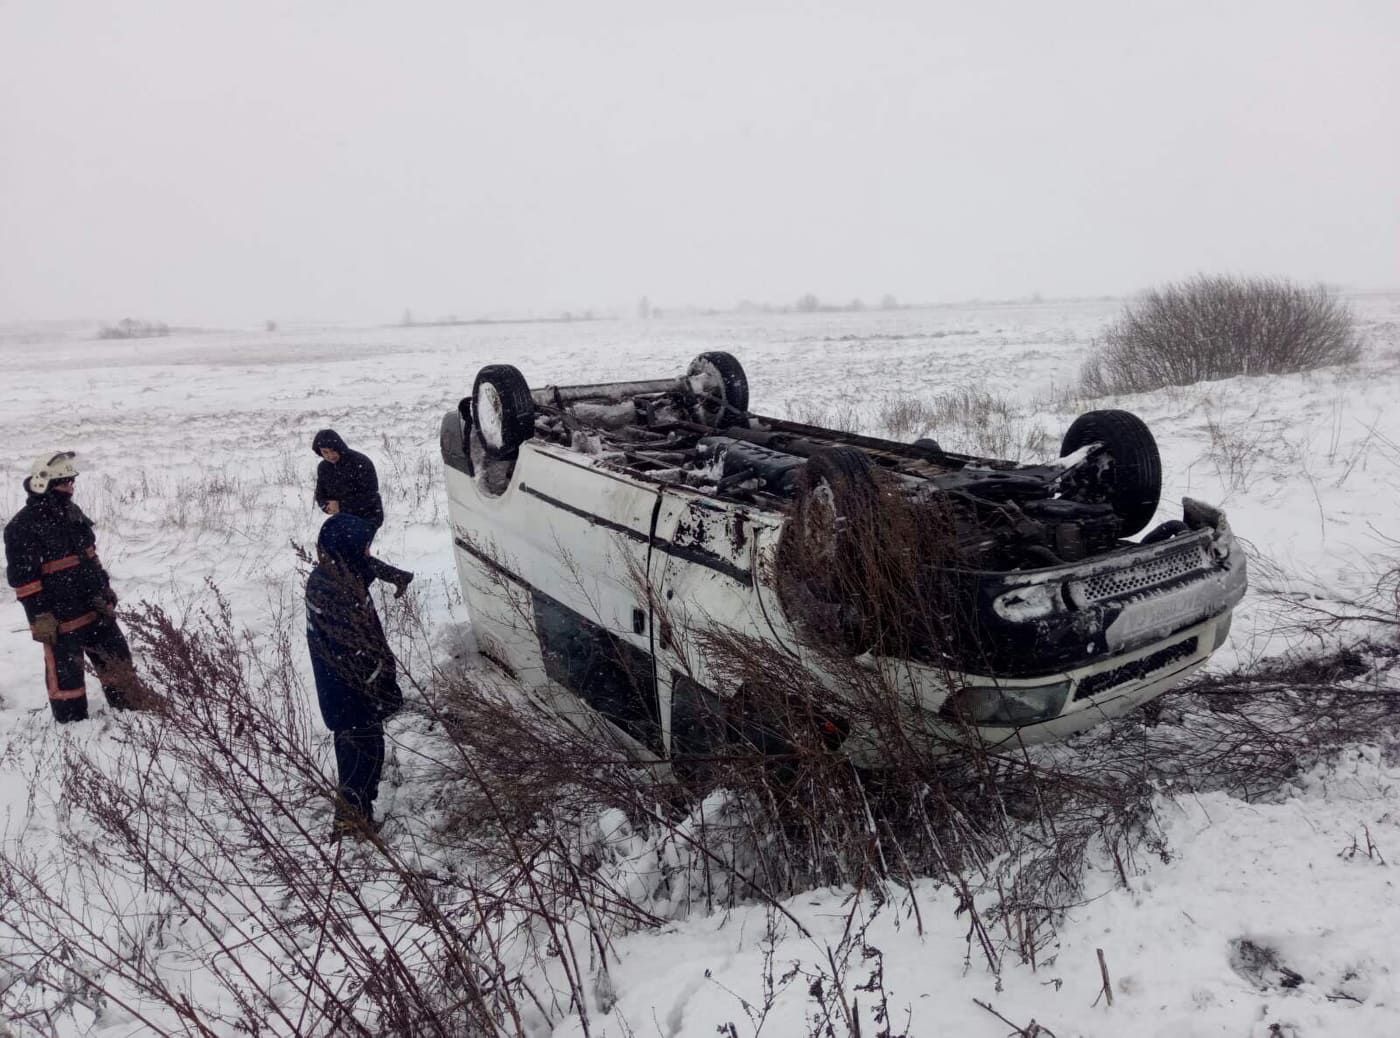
[[202, 162]]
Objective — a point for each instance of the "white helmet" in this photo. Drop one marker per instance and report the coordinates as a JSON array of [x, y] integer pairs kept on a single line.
[[50, 467]]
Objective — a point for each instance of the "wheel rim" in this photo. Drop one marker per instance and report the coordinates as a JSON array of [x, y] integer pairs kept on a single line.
[[490, 416], [711, 381], [820, 524], [707, 381]]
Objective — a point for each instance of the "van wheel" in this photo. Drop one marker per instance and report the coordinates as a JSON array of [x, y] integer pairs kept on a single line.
[[723, 387], [822, 577], [840, 492], [503, 410], [492, 472], [1126, 473]]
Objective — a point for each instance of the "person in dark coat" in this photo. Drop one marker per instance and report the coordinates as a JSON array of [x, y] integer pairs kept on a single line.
[[356, 678], [51, 562], [346, 484]]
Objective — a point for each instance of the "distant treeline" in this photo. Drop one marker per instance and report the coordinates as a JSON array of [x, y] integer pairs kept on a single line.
[[805, 304], [408, 321], [129, 329]]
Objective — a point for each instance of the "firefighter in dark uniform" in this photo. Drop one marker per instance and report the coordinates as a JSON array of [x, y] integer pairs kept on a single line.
[[51, 562]]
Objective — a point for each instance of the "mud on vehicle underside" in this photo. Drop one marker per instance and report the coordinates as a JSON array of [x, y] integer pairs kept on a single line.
[[997, 514], [909, 550]]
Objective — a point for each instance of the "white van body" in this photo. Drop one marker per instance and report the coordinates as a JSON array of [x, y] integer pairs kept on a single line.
[[586, 582]]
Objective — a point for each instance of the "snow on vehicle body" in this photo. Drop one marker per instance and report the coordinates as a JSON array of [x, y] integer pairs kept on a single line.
[[598, 528]]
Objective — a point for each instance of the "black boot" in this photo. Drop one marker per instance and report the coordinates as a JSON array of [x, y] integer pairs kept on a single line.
[[66, 711], [400, 578], [350, 821]]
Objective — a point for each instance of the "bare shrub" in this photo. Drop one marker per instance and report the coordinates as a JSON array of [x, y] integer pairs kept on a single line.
[[538, 841], [1216, 327], [1236, 447], [904, 417], [203, 844], [411, 476], [1311, 614], [195, 850], [985, 424], [971, 421], [790, 774], [844, 416], [855, 779], [1253, 731], [771, 806]]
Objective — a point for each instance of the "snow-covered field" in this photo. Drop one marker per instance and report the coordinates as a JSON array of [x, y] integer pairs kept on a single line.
[[197, 466]]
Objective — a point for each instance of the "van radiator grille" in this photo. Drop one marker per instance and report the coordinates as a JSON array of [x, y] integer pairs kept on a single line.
[[1145, 574], [1135, 671]]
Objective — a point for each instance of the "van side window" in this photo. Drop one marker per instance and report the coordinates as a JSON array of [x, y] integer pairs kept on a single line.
[[615, 678], [698, 722]]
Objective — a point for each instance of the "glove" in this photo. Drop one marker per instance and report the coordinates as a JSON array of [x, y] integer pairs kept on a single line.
[[401, 585], [44, 628], [105, 602]]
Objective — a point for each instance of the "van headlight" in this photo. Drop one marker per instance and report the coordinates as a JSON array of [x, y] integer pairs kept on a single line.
[[989, 704], [1031, 602]]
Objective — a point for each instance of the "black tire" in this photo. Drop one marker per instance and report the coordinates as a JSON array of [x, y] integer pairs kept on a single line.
[[503, 411], [848, 472], [822, 579], [733, 400], [1131, 481], [837, 485], [493, 474], [841, 477]]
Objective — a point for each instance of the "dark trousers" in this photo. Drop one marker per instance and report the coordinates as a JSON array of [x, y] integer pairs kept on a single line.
[[387, 573], [381, 569], [102, 640], [359, 758]]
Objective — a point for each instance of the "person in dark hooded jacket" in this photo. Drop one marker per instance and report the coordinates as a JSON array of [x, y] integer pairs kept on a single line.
[[356, 679], [346, 484]]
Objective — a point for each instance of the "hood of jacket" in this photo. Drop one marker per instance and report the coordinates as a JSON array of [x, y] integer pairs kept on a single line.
[[328, 438], [345, 540]]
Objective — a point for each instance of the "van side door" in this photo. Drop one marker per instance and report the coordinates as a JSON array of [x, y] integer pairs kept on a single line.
[[591, 538], [702, 578]]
